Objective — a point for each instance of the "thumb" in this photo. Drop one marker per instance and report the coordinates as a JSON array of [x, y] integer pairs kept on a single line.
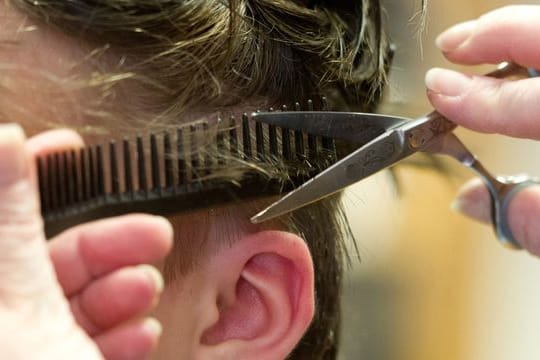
[[25, 268], [523, 213]]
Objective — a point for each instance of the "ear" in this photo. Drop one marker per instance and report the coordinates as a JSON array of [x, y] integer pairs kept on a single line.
[[263, 297]]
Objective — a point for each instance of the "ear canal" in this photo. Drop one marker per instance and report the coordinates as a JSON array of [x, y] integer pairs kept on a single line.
[[236, 321], [267, 285], [262, 294], [266, 312]]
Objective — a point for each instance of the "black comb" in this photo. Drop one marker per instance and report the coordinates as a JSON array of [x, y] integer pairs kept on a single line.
[[174, 171]]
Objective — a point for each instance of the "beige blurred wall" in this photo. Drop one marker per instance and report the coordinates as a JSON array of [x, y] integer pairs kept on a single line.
[[432, 284]]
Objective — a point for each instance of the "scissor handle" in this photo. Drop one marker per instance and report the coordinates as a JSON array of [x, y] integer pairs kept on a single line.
[[502, 191]]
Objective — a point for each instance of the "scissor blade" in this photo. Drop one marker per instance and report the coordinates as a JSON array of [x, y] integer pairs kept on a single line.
[[357, 128], [380, 153]]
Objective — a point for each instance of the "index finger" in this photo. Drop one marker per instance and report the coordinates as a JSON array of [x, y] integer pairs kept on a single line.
[[506, 34], [91, 250], [54, 140]]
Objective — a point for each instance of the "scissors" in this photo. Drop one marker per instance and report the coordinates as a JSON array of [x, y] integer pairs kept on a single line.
[[396, 138]]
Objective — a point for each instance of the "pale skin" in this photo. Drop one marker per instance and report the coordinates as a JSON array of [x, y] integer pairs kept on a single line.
[[494, 106], [252, 299], [83, 294], [60, 316]]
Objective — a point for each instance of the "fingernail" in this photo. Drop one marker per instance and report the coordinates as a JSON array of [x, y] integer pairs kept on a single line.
[[154, 275], [471, 208], [12, 153], [454, 37], [447, 82], [166, 223], [152, 326]]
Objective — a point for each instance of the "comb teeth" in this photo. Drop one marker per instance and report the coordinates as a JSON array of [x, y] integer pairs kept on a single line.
[[44, 199], [233, 136], [246, 137], [259, 140], [195, 161], [74, 186], [128, 172], [60, 178], [100, 171], [220, 140], [181, 162], [328, 144], [285, 140], [272, 137], [68, 179], [141, 165], [312, 140], [115, 181], [85, 193], [156, 174], [169, 171], [207, 156], [74, 174], [298, 138], [92, 173]]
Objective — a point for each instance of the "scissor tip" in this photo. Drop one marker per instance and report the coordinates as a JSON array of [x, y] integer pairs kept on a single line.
[[267, 214], [257, 219]]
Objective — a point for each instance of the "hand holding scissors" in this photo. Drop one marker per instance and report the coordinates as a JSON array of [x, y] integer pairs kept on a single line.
[[395, 139], [494, 106]]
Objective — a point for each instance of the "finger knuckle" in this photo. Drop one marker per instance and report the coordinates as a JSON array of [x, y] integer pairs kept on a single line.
[[502, 22], [19, 210], [504, 12], [478, 105]]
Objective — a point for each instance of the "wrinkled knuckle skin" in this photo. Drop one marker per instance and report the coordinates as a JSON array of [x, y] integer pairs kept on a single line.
[[19, 212], [503, 13], [499, 22], [483, 103], [474, 104]]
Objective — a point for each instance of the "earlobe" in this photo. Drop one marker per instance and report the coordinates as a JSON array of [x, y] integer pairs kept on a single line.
[[265, 297]]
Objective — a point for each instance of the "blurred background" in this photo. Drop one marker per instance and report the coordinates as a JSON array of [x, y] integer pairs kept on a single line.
[[431, 284]]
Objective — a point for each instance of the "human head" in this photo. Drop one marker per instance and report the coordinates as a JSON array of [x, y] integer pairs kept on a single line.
[[125, 64]]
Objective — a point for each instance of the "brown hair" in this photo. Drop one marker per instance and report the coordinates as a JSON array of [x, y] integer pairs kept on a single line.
[[175, 57]]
